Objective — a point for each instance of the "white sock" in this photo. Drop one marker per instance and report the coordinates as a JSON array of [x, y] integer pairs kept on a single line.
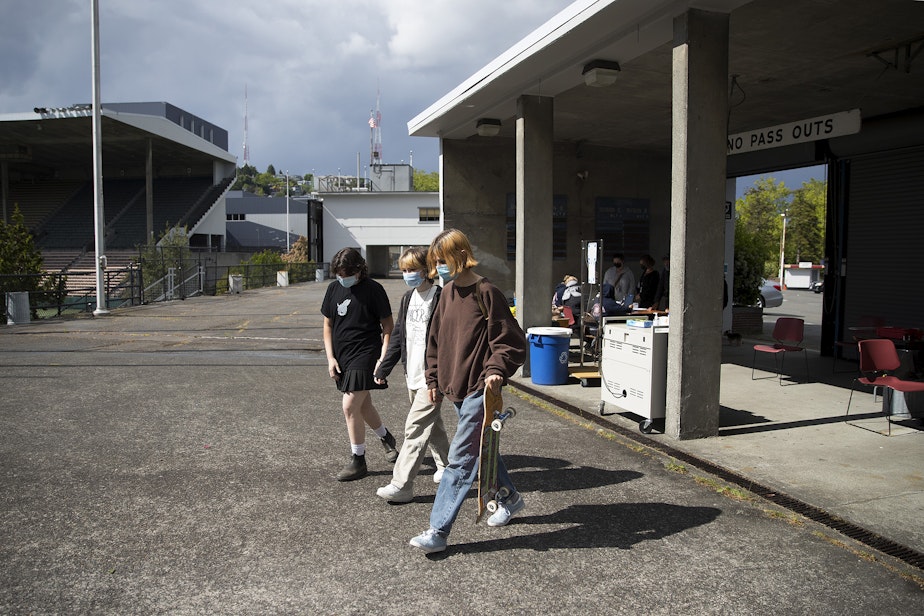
[[381, 431], [358, 450]]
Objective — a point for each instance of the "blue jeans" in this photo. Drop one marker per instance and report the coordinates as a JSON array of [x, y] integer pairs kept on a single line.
[[462, 471]]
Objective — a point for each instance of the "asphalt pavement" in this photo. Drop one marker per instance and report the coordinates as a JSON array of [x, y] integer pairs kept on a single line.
[[180, 458]]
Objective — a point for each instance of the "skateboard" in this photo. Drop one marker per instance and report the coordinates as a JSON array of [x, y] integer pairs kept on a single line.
[[494, 419]]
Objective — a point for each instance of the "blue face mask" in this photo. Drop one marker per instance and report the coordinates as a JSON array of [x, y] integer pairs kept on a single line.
[[445, 272], [413, 279], [347, 281]]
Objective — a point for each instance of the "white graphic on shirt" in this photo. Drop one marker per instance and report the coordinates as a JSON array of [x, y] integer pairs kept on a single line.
[[342, 307]]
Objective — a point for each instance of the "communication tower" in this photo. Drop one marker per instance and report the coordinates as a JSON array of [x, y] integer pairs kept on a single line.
[[375, 135], [246, 149]]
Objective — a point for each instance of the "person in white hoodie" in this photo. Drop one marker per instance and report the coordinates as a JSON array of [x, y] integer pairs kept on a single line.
[[424, 424]]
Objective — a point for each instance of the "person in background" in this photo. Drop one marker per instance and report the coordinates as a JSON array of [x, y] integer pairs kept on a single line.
[[660, 301], [647, 282], [474, 343], [622, 280], [567, 293], [604, 304], [357, 328], [424, 424]]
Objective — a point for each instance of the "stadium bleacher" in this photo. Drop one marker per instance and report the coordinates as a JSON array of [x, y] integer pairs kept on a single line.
[[38, 201]]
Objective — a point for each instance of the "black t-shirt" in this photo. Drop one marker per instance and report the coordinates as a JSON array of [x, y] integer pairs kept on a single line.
[[356, 319]]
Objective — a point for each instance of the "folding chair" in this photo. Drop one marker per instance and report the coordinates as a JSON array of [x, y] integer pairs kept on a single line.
[[877, 358], [788, 333]]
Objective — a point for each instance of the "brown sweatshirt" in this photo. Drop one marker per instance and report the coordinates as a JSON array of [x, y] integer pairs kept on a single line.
[[463, 347]]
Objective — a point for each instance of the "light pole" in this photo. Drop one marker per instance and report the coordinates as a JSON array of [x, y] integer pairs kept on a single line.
[[99, 220], [782, 250], [287, 210]]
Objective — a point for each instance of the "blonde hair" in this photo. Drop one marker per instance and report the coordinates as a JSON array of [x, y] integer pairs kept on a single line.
[[568, 278], [414, 258], [449, 247]]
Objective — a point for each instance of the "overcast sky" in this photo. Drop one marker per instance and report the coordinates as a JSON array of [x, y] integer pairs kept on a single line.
[[312, 67]]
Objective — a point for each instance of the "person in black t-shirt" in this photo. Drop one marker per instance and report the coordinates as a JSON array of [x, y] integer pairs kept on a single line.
[[357, 328]]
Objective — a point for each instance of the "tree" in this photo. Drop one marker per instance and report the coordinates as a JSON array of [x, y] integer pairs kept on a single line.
[[759, 212], [750, 256], [267, 257], [298, 252], [805, 229], [18, 254], [171, 251], [426, 181], [271, 170], [21, 265]]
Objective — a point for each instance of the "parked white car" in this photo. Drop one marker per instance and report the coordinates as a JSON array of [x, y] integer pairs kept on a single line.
[[771, 295]]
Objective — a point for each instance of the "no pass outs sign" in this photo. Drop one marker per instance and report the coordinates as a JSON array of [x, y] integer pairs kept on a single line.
[[813, 129]]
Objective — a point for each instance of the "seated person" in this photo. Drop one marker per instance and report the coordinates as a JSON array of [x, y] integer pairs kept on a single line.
[[567, 293], [609, 305]]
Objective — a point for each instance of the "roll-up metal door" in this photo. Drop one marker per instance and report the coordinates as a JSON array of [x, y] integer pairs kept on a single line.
[[885, 240]]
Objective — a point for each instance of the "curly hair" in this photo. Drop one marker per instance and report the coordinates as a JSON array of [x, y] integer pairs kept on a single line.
[[349, 261]]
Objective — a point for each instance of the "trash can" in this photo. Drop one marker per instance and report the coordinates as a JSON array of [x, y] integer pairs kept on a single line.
[[235, 283], [17, 308], [548, 354]]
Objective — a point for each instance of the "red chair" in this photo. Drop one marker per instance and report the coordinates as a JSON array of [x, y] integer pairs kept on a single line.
[[567, 313], [788, 333], [877, 358]]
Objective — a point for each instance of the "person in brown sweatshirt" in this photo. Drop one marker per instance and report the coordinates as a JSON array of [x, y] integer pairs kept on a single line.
[[474, 343]]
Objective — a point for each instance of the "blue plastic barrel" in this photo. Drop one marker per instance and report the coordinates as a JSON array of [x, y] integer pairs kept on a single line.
[[548, 354]]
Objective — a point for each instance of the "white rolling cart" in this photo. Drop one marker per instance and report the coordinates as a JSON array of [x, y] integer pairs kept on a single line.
[[633, 369]]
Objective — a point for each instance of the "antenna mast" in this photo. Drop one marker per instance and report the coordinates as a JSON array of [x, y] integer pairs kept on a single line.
[[246, 150], [375, 130]]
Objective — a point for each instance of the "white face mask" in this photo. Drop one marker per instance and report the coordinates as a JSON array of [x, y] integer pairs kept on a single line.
[[347, 281], [445, 272], [413, 279]]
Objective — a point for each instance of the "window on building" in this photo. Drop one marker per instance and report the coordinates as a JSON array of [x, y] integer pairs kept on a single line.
[[622, 224], [428, 214], [235, 217], [559, 227]]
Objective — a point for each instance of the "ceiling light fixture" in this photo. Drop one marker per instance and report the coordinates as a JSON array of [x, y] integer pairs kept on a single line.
[[488, 127], [600, 73]]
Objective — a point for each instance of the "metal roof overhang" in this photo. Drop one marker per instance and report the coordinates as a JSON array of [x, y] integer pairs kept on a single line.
[[63, 140], [794, 59]]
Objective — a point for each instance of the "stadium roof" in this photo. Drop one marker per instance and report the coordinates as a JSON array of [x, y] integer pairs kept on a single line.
[[44, 141]]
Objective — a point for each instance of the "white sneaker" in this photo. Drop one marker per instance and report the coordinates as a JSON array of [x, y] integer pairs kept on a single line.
[[394, 494], [429, 541], [438, 474], [507, 509]]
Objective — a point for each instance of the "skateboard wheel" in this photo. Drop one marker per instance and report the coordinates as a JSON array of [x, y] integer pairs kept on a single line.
[[503, 492], [491, 506], [511, 412], [496, 425]]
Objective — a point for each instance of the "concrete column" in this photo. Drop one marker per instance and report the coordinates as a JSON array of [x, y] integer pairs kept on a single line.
[[700, 75], [534, 233], [149, 192]]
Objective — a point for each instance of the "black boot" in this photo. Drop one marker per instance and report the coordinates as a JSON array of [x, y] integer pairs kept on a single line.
[[388, 442], [356, 469]]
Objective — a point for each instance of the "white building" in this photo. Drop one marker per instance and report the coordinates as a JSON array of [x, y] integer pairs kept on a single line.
[[380, 224]]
